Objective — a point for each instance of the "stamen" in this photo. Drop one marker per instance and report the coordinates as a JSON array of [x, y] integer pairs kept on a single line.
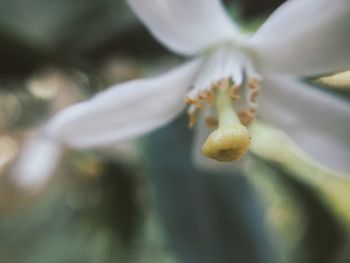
[[254, 95], [192, 116], [234, 92], [193, 120], [247, 116], [253, 83], [203, 95], [211, 122], [210, 97], [199, 105], [189, 101], [231, 140]]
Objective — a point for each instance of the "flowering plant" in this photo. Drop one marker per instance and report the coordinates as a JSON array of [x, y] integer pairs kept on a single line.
[[231, 79]]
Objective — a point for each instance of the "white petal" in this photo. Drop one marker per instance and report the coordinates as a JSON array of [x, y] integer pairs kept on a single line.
[[306, 37], [222, 63], [124, 111], [36, 163], [318, 122], [185, 26]]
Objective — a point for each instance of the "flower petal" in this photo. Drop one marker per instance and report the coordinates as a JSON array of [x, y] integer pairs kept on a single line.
[[124, 111], [185, 26], [318, 122], [36, 163], [306, 37]]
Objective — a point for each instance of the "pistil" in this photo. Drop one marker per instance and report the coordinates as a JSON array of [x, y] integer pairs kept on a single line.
[[230, 141]]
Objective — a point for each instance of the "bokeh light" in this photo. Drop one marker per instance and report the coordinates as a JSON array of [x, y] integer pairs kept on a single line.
[[8, 151]]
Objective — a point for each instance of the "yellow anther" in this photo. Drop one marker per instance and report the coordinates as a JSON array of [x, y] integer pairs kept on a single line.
[[188, 101], [253, 83], [234, 92], [247, 116], [210, 97], [211, 122], [230, 141], [192, 120], [254, 95]]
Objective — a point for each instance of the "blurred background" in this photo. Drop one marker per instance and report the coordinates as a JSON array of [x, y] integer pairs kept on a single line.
[[141, 201]]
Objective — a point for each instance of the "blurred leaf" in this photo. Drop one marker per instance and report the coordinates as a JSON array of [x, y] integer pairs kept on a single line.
[[333, 186], [305, 226], [54, 24], [95, 216], [326, 189], [35, 33]]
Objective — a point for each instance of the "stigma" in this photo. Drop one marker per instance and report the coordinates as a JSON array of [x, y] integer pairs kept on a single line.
[[230, 141], [227, 143]]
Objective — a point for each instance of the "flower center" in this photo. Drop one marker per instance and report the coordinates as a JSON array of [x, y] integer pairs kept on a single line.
[[230, 140]]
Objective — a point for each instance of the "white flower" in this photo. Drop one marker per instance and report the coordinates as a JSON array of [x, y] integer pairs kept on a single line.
[[243, 76]]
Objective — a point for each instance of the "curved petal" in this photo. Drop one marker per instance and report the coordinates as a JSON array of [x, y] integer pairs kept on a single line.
[[317, 121], [124, 111], [185, 26], [306, 37], [36, 163]]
